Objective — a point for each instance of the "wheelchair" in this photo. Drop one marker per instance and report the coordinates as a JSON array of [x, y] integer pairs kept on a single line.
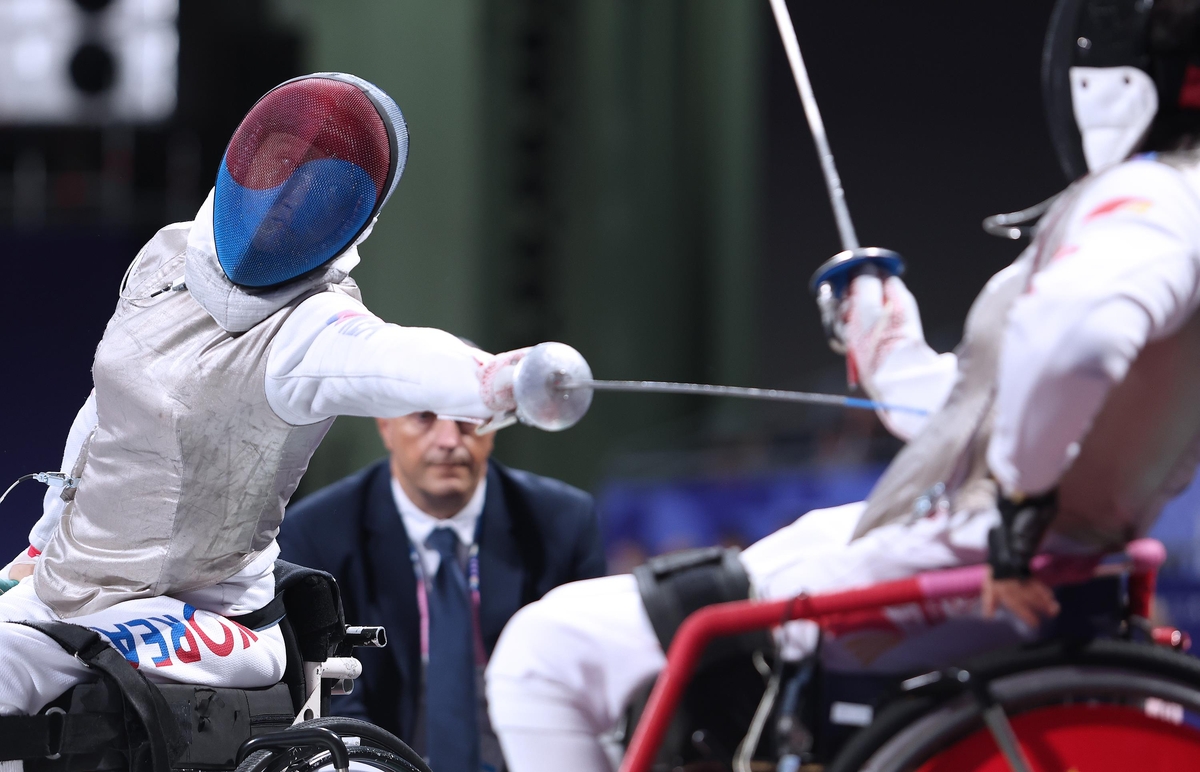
[[124, 723], [1099, 689]]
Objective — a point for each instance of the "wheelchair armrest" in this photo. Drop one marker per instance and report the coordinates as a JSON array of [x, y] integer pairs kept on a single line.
[[314, 609]]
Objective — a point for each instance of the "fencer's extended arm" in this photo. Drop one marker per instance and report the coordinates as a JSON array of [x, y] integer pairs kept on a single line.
[[334, 357], [887, 355], [1127, 273]]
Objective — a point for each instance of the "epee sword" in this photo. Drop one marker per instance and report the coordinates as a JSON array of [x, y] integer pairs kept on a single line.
[[744, 392], [553, 385], [553, 388], [832, 278], [812, 112]]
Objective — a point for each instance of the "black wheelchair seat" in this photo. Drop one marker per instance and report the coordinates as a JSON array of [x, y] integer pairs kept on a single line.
[[213, 723], [123, 722]]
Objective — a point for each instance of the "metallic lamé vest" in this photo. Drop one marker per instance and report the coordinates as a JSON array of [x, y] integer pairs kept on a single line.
[[1140, 452], [185, 479]]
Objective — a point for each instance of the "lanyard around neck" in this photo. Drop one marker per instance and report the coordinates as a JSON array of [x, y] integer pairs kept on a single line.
[[423, 601]]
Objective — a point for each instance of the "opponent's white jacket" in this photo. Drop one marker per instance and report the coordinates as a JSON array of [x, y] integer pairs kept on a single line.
[[1082, 356], [207, 407], [1079, 367]]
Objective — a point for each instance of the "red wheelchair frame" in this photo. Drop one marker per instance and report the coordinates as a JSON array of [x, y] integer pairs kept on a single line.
[[1142, 560]]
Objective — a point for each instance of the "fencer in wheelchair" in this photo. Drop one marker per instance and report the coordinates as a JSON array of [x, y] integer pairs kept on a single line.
[[1063, 422], [236, 340]]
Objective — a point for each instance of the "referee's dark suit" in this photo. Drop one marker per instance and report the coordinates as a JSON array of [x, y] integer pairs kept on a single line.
[[535, 533]]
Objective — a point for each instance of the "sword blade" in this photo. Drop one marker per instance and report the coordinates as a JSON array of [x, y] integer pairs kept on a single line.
[[741, 392], [837, 196]]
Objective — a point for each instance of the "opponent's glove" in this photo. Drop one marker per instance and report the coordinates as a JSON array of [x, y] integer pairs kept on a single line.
[[874, 318], [1013, 543], [496, 388]]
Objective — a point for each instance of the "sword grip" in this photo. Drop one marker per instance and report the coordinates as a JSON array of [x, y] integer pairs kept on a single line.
[[838, 271], [832, 280]]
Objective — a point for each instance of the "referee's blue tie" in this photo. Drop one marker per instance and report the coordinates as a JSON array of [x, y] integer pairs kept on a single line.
[[450, 700]]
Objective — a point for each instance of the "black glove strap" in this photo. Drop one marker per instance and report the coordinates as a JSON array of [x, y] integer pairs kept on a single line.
[[1013, 543]]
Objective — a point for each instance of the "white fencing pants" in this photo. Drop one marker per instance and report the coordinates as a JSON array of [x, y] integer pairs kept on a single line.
[[566, 666], [165, 638]]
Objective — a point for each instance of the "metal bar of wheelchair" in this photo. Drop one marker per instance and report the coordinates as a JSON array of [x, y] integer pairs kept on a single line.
[[1142, 559], [321, 737]]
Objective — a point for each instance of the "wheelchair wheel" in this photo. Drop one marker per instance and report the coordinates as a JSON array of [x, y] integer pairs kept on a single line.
[[1091, 713], [371, 749]]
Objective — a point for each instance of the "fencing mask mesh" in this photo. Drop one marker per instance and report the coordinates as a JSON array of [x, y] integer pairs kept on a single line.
[[304, 174]]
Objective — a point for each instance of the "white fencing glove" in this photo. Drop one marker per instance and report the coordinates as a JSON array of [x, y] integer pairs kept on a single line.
[[496, 388], [874, 319], [887, 355]]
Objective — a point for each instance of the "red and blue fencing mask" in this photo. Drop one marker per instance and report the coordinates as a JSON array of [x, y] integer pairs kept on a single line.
[[304, 176]]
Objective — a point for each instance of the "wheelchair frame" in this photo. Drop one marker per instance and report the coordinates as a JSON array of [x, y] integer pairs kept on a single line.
[[1142, 560]]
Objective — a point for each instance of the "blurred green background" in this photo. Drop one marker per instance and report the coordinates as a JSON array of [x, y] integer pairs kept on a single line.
[[585, 172]]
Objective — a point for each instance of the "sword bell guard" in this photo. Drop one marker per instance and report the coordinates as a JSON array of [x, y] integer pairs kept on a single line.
[[837, 271], [537, 387]]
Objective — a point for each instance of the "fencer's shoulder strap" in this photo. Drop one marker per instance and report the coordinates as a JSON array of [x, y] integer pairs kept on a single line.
[[162, 733]]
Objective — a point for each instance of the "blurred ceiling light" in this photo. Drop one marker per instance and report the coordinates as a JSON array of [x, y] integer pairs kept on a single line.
[[89, 62], [32, 57]]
